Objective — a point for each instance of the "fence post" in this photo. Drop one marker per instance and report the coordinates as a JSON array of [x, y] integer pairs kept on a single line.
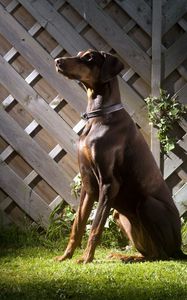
[[156, 68]]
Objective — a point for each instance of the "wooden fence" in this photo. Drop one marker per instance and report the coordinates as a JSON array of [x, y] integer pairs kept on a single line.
[[40, 110]]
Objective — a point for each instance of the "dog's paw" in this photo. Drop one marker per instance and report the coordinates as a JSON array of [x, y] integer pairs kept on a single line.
[[80, 260], [126, 258], [84, 260], [117, 256], [61, 258]]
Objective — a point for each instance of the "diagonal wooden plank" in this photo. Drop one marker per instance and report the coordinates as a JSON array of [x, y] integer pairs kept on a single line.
[[42, 10], [56, 25], [37, 106], [129, 96], [7, 219], [182, 174], [59, 28], [6, 202], [181, 94], [173, 161], [183, 23], [180, 198], [34, 125], [135, 106], [12, 5], [173, 11], [24, 196], [139, 11], [175, 55], [46, 167], [40, 59], [115, 36]]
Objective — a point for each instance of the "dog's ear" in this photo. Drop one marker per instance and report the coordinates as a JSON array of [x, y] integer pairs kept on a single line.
[[111, 67]]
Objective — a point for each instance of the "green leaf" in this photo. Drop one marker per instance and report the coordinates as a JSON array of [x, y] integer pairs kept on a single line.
[[163, 112], [169, 147]]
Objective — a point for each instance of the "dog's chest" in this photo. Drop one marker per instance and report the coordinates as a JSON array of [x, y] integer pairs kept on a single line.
[[87, 149], [92, 141]]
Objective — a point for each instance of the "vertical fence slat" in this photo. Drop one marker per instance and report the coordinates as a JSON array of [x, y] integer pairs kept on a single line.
[[156, 68]]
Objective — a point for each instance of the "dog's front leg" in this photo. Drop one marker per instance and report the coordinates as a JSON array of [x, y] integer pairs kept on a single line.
[[84, 210], [107, 194]]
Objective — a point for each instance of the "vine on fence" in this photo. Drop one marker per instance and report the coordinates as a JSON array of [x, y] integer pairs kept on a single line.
[[163, 112]]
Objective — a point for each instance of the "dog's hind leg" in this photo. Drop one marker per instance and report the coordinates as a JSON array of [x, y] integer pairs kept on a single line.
[[162, 224], [126, 228], [124, 225]]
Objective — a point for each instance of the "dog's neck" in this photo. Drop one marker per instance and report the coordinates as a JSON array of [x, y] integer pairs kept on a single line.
[[104, 95]]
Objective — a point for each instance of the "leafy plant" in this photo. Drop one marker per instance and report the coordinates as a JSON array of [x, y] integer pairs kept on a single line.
[[62, 217], [111, 235], [163, 112], [76, 186], [61, 220], [184, 232]]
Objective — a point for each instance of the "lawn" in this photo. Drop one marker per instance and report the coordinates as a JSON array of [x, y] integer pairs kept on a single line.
[[28, 271]]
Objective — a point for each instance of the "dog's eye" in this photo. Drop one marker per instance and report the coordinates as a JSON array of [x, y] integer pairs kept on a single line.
[[87, 57]]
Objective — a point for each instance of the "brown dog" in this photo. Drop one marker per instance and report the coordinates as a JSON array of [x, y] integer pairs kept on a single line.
[[117, 168]]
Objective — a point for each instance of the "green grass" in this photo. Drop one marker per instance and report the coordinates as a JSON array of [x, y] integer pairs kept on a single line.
[[28, 271]]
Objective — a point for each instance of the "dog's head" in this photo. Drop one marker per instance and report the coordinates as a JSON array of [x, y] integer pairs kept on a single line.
[[90, 67]]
